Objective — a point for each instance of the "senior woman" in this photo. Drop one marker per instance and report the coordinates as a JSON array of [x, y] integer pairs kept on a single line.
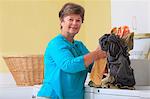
[[66, 60]]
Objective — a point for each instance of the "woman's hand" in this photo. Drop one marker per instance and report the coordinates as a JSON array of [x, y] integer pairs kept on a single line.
[[98, 53], [94, 55]]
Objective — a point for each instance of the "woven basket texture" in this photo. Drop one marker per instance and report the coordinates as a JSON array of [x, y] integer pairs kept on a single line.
[[26, 70]]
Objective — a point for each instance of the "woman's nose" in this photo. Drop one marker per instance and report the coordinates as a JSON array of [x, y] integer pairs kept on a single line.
[[74, 22]]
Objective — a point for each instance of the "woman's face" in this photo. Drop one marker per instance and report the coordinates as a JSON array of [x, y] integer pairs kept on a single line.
[[71, 24]]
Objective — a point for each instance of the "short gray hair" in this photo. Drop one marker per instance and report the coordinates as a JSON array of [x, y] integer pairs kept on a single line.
[[71, 8]]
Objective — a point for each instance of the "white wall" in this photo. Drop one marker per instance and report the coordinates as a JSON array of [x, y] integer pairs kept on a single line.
[[123, 12]]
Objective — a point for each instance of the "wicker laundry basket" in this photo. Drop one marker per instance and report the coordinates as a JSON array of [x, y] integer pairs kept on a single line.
[[26, 70]]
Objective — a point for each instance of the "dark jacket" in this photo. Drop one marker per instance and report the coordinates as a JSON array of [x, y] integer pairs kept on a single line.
[[118, 59]]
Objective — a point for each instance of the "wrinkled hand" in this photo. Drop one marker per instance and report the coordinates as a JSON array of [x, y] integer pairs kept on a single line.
[[94, 55], [98, 53]]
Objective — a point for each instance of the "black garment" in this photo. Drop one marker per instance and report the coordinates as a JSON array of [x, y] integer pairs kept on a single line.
[[118, 59]]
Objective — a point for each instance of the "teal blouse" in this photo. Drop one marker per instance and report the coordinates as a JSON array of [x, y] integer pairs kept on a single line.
[[64, 69]]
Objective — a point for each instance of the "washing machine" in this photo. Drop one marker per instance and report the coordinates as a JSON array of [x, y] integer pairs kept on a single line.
[[141, 92]]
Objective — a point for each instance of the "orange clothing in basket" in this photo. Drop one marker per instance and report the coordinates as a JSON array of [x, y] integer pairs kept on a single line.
[[124, 33]]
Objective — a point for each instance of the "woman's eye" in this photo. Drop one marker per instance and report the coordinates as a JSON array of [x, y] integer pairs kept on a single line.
[[78, 20], [70, 19]]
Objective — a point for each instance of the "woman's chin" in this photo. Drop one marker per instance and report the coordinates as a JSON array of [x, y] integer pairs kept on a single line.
[[74, 32]]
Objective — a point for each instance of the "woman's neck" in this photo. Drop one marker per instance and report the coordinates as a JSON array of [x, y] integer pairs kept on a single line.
[[68, 36]]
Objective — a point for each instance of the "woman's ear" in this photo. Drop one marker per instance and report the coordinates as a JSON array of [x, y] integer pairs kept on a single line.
[[61, 22], [60, 25]]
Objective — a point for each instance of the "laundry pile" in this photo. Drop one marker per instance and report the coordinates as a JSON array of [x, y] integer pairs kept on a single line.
[[114, 71]]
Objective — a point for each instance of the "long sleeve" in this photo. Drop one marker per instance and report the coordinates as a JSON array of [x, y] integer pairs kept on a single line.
[[65, 59], [85, 51]]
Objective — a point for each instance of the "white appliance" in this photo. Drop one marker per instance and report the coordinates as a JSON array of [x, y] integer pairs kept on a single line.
[[141, 92]]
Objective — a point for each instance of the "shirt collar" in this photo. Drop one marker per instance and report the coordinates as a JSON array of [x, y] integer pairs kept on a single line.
[[72, 44]]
